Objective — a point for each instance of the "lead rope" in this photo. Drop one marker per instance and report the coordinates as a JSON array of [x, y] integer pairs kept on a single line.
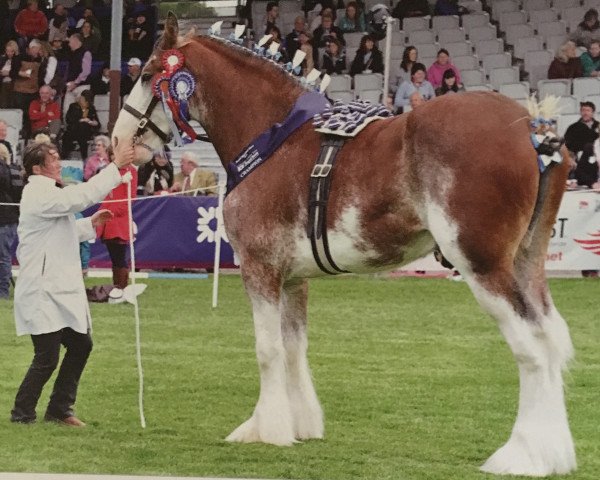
[[138, 343]]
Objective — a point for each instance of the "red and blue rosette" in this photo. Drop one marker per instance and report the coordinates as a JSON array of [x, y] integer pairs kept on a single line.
[[181, 87], [160, 84], [172, 60]]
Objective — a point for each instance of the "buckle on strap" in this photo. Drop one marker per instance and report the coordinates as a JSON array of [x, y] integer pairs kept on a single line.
[[143, 122], [320, 171]]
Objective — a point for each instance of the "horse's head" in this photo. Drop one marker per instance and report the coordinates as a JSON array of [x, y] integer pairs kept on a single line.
[[143, 118]]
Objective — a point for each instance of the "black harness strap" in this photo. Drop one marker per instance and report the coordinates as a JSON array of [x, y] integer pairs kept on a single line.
[[320, 183], [145, 122]]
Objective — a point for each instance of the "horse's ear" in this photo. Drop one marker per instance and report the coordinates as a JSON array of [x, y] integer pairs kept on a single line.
[[169, 39], [187, 38]]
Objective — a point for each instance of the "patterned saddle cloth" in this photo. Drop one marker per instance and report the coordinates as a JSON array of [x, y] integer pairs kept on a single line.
[[348, 119]]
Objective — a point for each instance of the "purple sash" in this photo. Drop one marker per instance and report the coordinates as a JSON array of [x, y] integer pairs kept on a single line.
[[263, 146]]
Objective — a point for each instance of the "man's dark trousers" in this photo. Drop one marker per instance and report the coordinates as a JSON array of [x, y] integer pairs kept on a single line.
[[46, 355]]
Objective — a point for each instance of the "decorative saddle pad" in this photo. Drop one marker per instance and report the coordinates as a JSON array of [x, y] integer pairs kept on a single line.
[[347, 120]]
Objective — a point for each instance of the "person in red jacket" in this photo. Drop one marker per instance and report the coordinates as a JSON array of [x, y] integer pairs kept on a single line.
[[30, 23], [115, 234], [44, 114]]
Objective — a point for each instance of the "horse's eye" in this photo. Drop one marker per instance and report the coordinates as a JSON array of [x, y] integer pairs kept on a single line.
[[146, 77]]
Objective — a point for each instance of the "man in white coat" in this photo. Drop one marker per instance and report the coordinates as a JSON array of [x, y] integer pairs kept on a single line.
[[50, 299]]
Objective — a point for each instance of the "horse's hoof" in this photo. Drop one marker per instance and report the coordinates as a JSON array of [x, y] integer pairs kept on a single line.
[[248, 432], [532, 458]]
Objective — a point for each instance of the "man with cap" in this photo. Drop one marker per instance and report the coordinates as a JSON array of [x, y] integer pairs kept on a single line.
[[194, 181], [134, 68]]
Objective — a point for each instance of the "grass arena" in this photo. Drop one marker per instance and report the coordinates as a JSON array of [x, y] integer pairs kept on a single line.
[[414, 379]]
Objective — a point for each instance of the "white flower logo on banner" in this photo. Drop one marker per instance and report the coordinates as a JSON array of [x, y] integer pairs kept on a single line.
[[207, 225]]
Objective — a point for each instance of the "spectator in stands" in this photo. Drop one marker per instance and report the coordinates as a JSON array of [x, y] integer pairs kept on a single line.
[[78, 70], [30, 78], [411, 8], [10, 64], [292, 40], [417, 83], [88, 16], [57, 28], [4, 141], [115, 234], [586, 172], [44, 114], [276, 38], [141, 37], [134, 68], [590, 60], [369, 58], [327, 31], [306, 46], [99, 159], [587, 30], [449, 84], [334, 60], [156, 176], [100, 83], [402, 72], [271, 16], [581, 135], [11, 186], [449, 7], [31, 23], [353, 19], [316, 22], [51, 77], [91, 37], [192, 180], [565, 63], [436, 72], [416, 100], [82, 123]]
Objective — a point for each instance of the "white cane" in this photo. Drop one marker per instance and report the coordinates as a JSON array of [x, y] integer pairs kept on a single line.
[[217, 263]]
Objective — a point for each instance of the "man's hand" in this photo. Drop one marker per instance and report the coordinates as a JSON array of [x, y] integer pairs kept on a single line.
[[176, 187], [71, 86], [124, 154], [101, 217]]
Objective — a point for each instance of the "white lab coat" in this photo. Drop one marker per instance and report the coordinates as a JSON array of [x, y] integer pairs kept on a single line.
[[50, 293]]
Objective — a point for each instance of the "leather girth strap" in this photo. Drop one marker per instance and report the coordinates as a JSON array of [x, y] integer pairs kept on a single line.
[[320, 184]]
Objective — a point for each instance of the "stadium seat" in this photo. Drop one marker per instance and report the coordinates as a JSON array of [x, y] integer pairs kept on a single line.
[[13, 117], [527, 44], [512, 18], [421, 37], [473, 77], [451, 35], [561, 5], [487, 47], [553, 42], [515, 90], [471, 5], [410, 24], [538, 57], [514, 32], [103, 116], [547, 29], [495, 60], [340, 82], [500, 76], [427, 50], [345, 96], [542, 16], [353, 39], [371, 95], [587, 4], [445, 22], [478, 88], [537, 73], [465, 62], [485, 32], [595, 99], [459, 48], [572, 13], [501, 6], [398, 37], [564, 121], [427, 61], [558, 88], [474, 20], [567, 104], [533, 5], [102, 102], [368, 81]]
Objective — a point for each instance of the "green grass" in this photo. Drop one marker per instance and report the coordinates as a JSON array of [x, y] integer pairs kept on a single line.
[[415, 382]]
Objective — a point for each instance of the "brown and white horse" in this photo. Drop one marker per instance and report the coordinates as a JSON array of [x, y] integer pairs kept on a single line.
[[459, 171]]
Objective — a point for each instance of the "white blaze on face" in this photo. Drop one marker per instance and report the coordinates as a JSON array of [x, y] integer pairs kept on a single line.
[[126, 125]]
